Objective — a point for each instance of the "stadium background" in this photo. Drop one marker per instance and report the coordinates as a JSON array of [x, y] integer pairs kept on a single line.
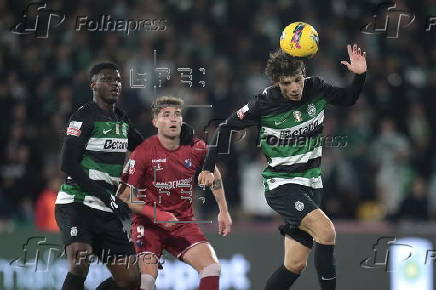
[[382, 183]]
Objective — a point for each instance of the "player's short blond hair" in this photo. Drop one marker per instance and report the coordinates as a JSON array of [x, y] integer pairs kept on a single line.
[[165, 101]]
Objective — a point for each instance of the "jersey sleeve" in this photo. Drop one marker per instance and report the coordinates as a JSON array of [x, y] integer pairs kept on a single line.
[[247, 116], [199, 152], [79, 129], [135, 138], [339, 96], [76, 137], [134, 172]]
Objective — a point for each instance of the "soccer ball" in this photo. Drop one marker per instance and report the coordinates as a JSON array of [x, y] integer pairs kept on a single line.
[[299, 39]]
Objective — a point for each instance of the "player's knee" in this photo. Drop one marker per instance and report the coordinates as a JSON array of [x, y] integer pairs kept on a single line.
[[295, 266], [78, 257], [149, 264], [211, 270], [327, 235]]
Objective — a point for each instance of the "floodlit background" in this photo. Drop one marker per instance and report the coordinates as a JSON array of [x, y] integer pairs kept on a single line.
[[383, 183]]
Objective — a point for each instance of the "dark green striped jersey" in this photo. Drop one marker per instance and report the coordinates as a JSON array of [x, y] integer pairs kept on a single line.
[[290, 132], [99, 140]]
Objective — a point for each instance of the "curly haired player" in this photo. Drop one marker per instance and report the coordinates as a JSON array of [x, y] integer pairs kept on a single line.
[[290, 116]]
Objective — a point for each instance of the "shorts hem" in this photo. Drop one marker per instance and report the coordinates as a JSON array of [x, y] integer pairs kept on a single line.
[[180, 255]]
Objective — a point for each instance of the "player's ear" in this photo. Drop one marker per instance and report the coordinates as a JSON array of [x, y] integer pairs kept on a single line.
[[154, 121]]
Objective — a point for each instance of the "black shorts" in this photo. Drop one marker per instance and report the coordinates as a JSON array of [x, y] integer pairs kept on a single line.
[[293, 202], [102, 230]]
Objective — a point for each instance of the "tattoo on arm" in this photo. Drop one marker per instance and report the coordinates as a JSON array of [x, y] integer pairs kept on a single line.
[[217, 184]]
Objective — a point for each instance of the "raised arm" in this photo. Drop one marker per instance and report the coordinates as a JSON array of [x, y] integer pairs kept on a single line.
[[347, 96], [245, 117]]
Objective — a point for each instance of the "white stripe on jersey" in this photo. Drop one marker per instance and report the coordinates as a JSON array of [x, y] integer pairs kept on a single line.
[[301, 158], [90, 200], [95, 174]]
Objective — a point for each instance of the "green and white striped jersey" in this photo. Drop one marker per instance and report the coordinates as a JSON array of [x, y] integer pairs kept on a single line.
[[290, 132], [291, 142], [103, 140]]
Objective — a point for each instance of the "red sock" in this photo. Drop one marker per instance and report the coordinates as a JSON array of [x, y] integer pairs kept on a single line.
[[209, 283]]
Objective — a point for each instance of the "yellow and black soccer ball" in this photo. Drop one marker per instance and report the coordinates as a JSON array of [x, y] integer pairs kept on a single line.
[[299, 39]]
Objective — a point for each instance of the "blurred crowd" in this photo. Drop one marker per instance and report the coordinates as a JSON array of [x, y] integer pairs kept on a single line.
[[214, 53]]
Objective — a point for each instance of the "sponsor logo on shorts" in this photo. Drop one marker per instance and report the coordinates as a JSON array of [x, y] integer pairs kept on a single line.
[[299, 205], [73, 231]]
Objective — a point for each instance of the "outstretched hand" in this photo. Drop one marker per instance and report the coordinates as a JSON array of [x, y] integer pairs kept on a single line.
[[357, 62]]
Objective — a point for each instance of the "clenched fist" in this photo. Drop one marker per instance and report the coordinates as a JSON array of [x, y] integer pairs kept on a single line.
[[206, 178]]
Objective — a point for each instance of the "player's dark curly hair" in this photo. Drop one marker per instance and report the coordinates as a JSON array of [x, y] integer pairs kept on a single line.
[[97, 68], [281, 64], [165, 101]]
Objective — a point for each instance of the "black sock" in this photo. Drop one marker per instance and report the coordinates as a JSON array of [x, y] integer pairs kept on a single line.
[[325, 266], [73, 282], [281, 279], [108, 284]]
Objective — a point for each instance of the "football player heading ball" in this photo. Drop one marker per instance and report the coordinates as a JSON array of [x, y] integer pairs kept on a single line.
[[291, 110]]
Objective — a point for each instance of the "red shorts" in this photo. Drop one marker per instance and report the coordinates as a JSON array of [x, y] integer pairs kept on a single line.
[[149, 238]]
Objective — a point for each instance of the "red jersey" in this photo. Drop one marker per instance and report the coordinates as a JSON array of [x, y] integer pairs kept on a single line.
[[165, 177]]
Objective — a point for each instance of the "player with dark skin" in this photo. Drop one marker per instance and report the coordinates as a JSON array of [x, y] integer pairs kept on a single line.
[[106, 88]]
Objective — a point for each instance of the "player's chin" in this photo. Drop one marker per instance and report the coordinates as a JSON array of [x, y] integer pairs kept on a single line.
[[115, 96], [172, 134], [294, 97], [175, 130], [112, 98]]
